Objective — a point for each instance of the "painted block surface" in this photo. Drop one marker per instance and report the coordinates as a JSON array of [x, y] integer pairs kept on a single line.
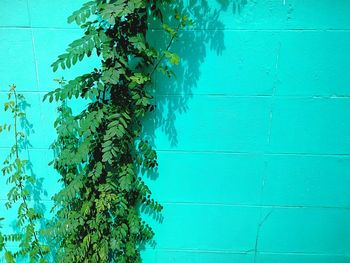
[[234, 124], [310, 125], [308, 230], [188, 180], [291, 258], [307, 181], [18, 63], [15, 13]]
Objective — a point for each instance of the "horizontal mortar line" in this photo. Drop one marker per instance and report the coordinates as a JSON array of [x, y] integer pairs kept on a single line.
[[162, 95], [38, 27], [229, 251], [220, 152], [50, 201], [302, 253], [36, 201], [254, 96], [28, 149], [207, 251], [155, 95], [260, 29], [211, 95], [26, 92], [255, 205], [199, 29], [253, 153], [243, 252]]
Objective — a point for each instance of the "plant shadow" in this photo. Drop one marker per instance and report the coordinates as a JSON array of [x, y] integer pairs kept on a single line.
[[173, 95]]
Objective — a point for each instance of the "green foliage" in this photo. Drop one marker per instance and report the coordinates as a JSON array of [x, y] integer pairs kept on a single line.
[[2, 238], [14, 168], [100, 152]]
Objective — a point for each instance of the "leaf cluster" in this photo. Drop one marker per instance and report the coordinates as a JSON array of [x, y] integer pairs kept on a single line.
[[100, 152]]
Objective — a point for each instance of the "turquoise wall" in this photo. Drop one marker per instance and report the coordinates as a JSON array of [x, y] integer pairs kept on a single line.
[[253, 135]]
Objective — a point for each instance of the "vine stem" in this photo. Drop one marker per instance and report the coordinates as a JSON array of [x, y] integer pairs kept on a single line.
[[20, 183], [167, 49]]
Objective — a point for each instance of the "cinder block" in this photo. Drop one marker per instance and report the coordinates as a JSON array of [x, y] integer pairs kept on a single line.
[[222, 62], [175, 256], [271, 14], [310, 125], [305, 230], [208, 178], [206, 227], [295, 180], [292, 258], [212, 123], [58, 41], [17, 65], [54, 13], [308, 70], [14, 13]]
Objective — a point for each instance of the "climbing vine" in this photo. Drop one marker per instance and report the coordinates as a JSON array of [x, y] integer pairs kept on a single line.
[[20, 182], [100, 152]]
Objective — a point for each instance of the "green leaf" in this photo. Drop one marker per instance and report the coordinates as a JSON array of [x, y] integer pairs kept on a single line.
[[111, 76], [126, 182], [169, 30], [172, 57], [9, 257]]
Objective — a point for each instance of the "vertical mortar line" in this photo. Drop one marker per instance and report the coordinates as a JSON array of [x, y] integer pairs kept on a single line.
[[30, 26], [274, 88], [263, 219], [33, 45]]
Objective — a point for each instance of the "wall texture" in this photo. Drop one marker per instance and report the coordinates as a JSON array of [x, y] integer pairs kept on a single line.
[[253, 136]]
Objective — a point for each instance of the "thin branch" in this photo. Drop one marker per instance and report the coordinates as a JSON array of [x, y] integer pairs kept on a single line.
[[20, 183], [167, 49]]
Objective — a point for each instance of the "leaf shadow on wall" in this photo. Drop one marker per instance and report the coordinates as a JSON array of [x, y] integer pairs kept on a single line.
[[173, 95], [36, 188]]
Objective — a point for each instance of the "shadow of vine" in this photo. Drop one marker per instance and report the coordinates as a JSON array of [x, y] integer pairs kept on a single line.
[[36, 189], [172, 95]]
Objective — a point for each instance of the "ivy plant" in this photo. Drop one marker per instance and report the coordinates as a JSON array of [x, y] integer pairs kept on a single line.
[[100, 152], [20, 182], [2, 238]]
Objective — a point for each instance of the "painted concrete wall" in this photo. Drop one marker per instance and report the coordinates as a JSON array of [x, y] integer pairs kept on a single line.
[[253, 136]]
